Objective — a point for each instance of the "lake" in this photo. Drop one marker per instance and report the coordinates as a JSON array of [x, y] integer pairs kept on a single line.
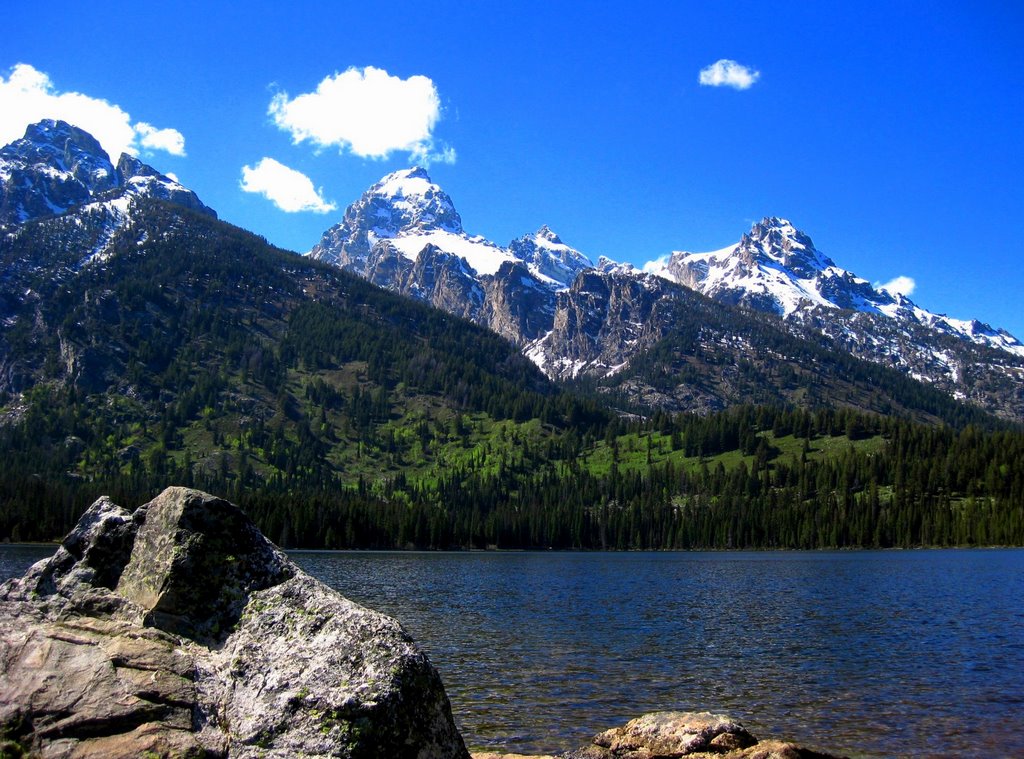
[[871, 653]]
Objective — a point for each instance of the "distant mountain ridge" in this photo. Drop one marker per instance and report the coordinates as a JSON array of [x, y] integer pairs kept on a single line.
[[65, 206], [775, 267], [574, 319]]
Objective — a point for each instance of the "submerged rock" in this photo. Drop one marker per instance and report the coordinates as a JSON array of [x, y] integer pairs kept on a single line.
[[180, 630]]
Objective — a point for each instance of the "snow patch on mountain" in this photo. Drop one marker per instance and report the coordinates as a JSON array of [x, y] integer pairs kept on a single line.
[[483, 256]]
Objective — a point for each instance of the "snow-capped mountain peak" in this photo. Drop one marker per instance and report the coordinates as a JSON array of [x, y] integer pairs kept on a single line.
[[548, 258], [405, 211], [408, 199], [56, 167], [404, 208], [777, 240], [775, 267], [53, 167], [60, 173]]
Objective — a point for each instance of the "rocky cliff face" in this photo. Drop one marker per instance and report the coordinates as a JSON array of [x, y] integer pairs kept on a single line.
[[602, 321], [179, 630]]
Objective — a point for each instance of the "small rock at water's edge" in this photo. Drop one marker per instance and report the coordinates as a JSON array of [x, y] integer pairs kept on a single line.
[[673, 735]]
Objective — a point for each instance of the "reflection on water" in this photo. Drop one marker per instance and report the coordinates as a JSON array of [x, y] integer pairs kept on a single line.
[[869, 653]]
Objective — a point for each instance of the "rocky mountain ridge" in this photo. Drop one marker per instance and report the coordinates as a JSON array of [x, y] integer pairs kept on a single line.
[[571, 318], [404, 234], [59, 174], [577, 320], [776, 268]]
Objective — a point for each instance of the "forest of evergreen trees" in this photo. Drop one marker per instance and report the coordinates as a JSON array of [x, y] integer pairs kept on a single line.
[[920, 486]]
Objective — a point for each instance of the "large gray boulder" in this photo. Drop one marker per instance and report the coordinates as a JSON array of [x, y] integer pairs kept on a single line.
[[180, 630]]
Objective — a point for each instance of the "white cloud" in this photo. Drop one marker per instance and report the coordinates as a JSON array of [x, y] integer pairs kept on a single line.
[[152, 138], [901, 285], [726, 73], [368, 112], [286, 188], [28, 96], [657, 266]]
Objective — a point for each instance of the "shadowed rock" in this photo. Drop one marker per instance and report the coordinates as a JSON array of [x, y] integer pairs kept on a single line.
[[180, 630]]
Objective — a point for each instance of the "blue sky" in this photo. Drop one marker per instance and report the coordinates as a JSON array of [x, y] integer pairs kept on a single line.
[[892, 133]]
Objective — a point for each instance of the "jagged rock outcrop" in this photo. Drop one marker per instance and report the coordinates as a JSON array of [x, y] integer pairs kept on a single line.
[[180, 630], [140, 179], [672, 735], [602, 321]]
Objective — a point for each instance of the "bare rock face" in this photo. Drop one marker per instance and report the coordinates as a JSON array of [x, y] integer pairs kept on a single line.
[[180, 630], [669, 735]]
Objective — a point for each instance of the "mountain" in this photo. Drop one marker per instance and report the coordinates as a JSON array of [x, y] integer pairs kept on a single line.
[[576, 320], [189, 351], [59, 173], [404, 234], [776, 268], [187, 332]]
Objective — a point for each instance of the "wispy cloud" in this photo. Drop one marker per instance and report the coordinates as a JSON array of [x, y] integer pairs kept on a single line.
[[727, 73], [901, 285], [368, 112], [288, 189], [27, 95]]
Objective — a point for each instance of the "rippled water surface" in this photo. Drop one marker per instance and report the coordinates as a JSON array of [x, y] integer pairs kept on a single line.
[[869, 653]]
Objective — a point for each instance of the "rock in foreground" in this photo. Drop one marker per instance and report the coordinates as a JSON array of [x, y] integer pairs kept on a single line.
[[180, 630]]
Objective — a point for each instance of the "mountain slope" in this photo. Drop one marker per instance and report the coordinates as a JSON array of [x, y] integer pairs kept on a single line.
[[196, 352]]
